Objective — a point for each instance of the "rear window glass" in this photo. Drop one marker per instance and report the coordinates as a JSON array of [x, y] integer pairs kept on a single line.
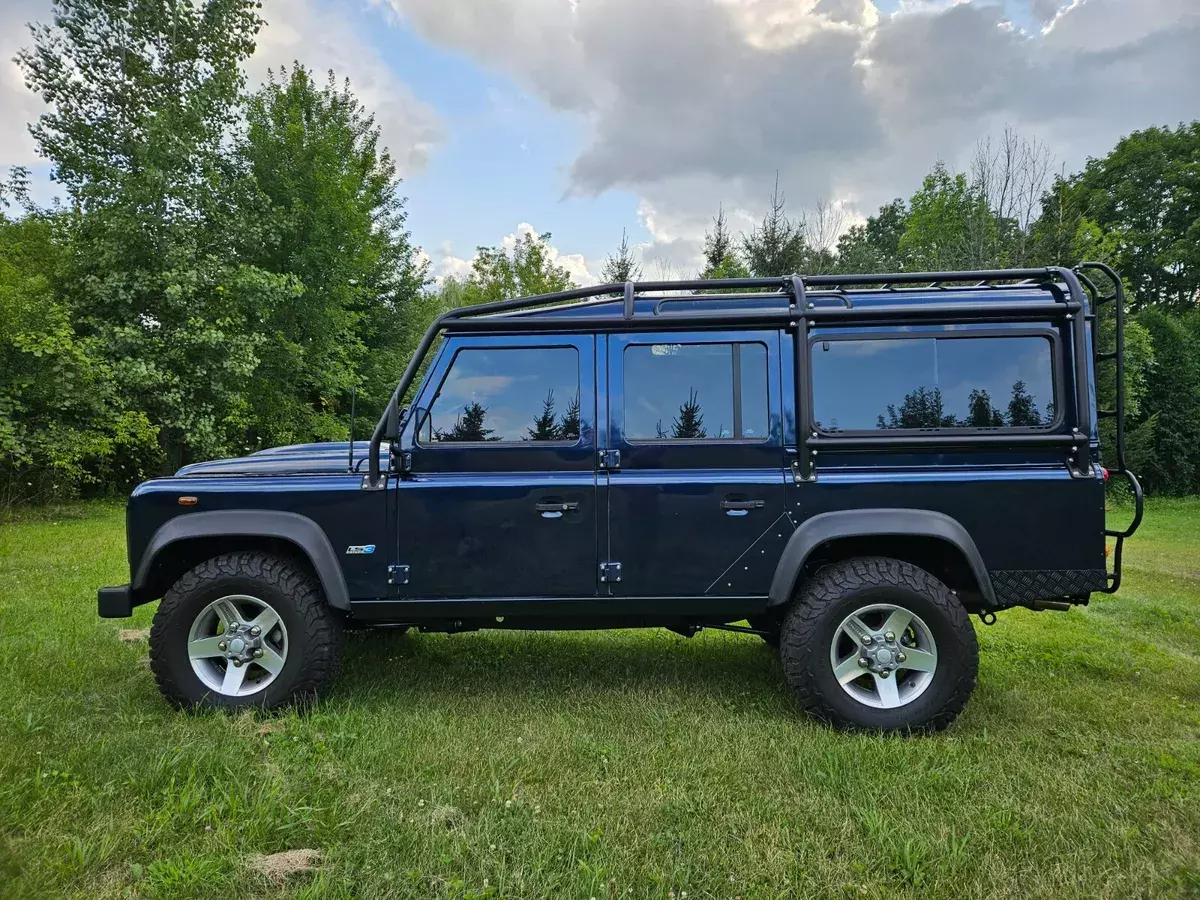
[[933, 382], [710, 392]]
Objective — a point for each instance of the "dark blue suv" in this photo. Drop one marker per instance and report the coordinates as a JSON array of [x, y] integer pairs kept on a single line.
[[851, 464]]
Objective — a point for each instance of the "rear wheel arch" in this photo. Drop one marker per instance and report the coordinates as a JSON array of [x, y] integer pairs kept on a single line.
[[188, 540], [930, 540]]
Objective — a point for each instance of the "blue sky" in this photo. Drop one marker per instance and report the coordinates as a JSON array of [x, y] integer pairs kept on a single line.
[[584, 117]]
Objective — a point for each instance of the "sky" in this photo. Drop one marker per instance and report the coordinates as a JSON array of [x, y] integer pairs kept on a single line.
[[588, 117]]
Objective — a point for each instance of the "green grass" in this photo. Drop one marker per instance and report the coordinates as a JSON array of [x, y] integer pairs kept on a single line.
[[631, 764]]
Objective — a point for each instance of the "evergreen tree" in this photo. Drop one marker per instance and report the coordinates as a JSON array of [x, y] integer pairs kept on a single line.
[[777, 246], [568, 426], [469, 426], [690, 422], [545, 427], [621, 267]]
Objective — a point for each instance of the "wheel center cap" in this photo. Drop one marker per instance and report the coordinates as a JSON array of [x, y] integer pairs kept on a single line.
[[237, 645], [883, 656]]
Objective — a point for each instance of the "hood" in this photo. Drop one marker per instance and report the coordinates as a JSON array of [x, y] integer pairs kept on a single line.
[[328, 458]]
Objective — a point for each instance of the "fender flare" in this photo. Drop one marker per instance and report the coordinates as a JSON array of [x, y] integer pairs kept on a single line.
[[829, 526], [294, 528]]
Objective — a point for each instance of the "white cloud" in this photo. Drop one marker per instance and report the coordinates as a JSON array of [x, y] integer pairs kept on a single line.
[[691, 103], [18, 105], [582, 271]]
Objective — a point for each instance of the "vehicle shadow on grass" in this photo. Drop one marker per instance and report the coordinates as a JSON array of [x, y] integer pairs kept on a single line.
[[715, 666]]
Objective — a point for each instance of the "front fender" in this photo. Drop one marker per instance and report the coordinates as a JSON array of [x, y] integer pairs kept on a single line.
[[829, 526], [300, 531]]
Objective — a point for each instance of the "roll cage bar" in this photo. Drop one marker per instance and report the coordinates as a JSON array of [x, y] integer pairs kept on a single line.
[[802, 313]]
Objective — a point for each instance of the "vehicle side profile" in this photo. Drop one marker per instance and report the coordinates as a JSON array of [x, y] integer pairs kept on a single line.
[[854, 465]]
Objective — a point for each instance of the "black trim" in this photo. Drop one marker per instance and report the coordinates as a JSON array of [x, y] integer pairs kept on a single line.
[[619, 612], [1017, 586], [829, 526], [294, 528]]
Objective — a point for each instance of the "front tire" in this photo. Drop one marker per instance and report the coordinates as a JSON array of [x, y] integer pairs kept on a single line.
[[880, 644], [245, 629]]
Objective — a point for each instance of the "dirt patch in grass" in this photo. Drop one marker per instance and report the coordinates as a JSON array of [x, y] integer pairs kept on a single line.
[[133, 635], [277, 867]]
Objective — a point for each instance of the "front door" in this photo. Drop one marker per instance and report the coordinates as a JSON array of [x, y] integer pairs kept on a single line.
[[696, 500], [501, 498]]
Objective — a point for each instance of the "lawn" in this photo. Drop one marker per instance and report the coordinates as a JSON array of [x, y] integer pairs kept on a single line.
[[626, 764]]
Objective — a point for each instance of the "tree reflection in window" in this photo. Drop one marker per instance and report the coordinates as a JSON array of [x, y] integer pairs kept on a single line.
[[937, 382]]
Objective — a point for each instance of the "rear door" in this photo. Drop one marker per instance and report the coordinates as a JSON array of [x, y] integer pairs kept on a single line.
[[501, 498], [698, 493]]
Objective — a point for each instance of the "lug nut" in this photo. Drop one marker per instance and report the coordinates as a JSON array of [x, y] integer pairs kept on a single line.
[[237, 662], [222, 646], [255, 631], [900, 657], [890, 636], [884, 674], [258, 652], [867, 639], [863, 662]]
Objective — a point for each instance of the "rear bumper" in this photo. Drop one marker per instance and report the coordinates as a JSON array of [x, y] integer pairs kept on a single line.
[[115, 602]]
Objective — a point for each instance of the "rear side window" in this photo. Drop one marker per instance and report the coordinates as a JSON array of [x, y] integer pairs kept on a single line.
[[933, 382], [709, 392], [507, 396]]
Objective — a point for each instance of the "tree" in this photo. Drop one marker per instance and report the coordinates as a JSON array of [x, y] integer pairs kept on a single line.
[[921, 408], [689, 424], [331, 198], [875, 246], [622, 266], [142, 97], [777, 246], [981, 412], [1171, 407], [469, 426], [949, 225], [720, 258], [1022, 411], [568, 426], [545, 426], [1146, 192], [528, 269]]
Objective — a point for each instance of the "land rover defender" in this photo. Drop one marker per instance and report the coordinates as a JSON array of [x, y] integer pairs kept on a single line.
[[852, 465]]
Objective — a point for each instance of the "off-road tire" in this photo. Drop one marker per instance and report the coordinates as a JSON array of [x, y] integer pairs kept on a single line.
[[838, 590], [314, 631]]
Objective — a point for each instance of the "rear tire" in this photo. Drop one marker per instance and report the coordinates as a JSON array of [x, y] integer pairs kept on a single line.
[[269, 610], [843, 668]]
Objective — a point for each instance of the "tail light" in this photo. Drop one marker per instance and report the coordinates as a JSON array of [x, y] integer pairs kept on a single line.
[[1104, 473]]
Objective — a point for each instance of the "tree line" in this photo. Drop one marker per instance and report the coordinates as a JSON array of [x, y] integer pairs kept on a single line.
[[230, 267]]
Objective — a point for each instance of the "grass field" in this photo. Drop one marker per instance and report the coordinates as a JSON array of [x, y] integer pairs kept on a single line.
[[627, 764]]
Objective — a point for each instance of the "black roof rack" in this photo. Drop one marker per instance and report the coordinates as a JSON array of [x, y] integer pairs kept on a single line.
[[801, 312]]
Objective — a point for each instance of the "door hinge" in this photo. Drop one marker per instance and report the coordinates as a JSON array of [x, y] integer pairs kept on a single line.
[[397, 574], [610, 460], [610, 572]]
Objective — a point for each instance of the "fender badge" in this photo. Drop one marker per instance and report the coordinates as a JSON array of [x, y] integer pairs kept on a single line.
[[360, 549]]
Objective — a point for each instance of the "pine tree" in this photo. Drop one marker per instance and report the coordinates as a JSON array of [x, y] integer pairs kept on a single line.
[[568, 426], [718, 243], [621, 267], [469, 426], [544, 426], [690, 423], [777, 246]]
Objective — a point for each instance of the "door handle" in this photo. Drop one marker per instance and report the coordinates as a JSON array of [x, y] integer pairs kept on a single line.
[[743, 504], [556, 506]]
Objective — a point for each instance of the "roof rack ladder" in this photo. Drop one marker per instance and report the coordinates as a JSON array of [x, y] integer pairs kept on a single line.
[[1117, 356]]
